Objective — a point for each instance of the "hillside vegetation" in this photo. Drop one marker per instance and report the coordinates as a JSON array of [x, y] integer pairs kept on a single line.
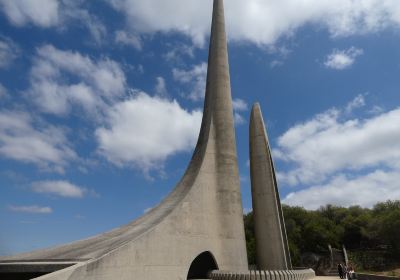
[[371, 236]]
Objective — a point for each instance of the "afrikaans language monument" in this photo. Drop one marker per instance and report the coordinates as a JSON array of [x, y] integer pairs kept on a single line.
[[197, 232]]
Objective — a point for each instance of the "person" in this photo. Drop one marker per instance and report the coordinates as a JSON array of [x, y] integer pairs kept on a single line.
[[345, 275], [340, 270], [351, 273]]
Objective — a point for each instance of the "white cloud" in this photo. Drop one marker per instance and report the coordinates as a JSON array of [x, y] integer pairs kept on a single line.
[[8, 52], [364, 190], [43, 145], [96, 28], [195, 78], [43, 13], [239, 105], [143, 131], [329, 143], [259, 21], [176, 52], [124, 38], [357, 102], [342, 59], [346, 161], [151, 16], [34, 209], [95, 82], [161, 87], [52, 13], [238, 119], [59, 188], [376, 110]]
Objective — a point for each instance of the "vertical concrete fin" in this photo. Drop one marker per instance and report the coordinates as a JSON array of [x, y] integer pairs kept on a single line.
[[218, 104], [271, 241], [281, 218], [218, 87]]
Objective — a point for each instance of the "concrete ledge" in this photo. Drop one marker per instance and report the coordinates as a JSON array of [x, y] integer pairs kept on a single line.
[[303, 274], [30, 267], [362, 276]]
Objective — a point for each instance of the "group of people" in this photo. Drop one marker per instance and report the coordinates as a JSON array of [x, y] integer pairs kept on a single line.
[[346, 272]]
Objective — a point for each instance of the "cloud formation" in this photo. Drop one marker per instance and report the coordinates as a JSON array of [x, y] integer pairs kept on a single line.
[[59, 188], [34, 209], [23, 140], [258, 21], [143, 131], [346, 161], [239, 106], [328, 143], [91, 83], [8, 52], [194, 79], [126, 39], [161, 87], [342, 190], [52, 13], [21, 12], [342, 59]]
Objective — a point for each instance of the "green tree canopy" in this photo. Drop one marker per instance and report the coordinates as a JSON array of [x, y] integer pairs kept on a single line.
[[355, 227]]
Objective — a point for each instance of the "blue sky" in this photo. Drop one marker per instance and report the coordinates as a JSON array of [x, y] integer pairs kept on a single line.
[[101, 103]]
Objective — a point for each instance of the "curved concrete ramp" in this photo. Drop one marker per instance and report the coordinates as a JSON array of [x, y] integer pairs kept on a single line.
[[202, 214]]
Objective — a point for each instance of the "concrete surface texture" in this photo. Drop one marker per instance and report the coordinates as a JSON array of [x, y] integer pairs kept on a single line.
[[302, 274], [197, 228], [272, 251], [326, 278]]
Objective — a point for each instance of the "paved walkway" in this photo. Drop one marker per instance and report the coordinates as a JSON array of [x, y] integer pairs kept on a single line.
[[326, 278]]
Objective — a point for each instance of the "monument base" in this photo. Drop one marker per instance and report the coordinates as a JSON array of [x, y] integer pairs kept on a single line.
[[302, 274]]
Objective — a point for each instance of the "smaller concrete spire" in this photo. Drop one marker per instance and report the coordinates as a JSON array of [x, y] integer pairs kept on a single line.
[[272, 251]]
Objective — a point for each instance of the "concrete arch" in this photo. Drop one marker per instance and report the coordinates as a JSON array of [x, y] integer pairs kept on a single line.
[[202, 265]]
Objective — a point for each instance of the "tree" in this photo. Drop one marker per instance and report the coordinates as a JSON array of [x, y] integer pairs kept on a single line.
[[360, 229]]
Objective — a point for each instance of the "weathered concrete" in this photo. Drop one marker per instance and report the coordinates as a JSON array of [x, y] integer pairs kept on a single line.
[[202, 214], [272, 251]]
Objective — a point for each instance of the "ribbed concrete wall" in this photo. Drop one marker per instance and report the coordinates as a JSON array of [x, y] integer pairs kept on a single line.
[[263, 275]]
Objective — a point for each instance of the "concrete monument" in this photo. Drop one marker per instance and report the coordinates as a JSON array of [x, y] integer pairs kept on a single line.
[[197, 232], [272, 251], [196, 229]]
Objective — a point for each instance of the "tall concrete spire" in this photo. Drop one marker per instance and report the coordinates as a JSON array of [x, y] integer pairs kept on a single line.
[[218, 87], [272, 251], [221, 143]]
